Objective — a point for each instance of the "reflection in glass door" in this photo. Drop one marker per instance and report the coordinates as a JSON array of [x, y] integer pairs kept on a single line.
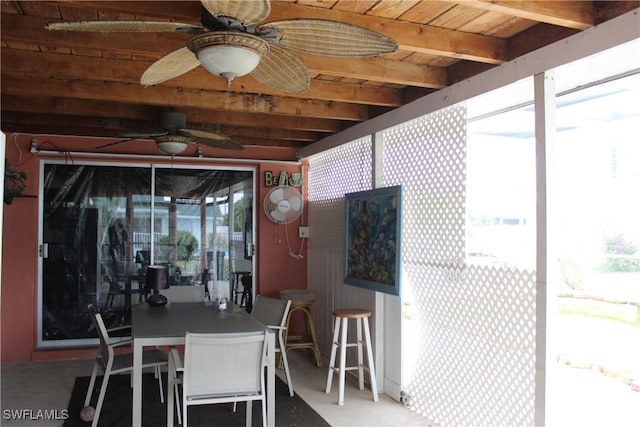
[[102, 226], [92, 217], [241, 245], [219, 241], [199, 218]]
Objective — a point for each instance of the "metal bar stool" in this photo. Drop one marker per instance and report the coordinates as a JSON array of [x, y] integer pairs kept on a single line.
[[236, 281], [246, 300], [301, 300], [340, 329]]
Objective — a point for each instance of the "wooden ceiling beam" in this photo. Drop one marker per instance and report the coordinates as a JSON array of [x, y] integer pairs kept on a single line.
[[181, 11], [572, 14], [15, 84], [527, 41], [83, 126], [606, 10], [24, 28], [269, 142], [29, 29], [96, 126], [313, 124], [78, 107], [148, 114], [377, 69], [267, 133], [117, 70], [410, 37], [122, 126]]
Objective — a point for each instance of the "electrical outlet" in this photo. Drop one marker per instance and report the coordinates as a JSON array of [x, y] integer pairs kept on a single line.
[[303, 232]]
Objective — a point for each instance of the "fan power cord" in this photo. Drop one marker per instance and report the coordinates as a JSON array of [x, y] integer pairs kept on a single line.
[[296, 256], [292, 254]]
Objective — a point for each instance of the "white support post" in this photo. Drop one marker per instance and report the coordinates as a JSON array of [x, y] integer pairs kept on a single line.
[[544, 95]]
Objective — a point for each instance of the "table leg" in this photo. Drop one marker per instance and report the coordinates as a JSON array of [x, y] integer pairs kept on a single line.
[[271, 380], [170, 388], [136, 420]]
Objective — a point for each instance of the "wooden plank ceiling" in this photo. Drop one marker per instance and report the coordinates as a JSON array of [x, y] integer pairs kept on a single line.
[[72, 83]]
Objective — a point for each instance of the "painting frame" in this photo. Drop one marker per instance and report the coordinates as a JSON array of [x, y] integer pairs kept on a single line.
[[372, 239]]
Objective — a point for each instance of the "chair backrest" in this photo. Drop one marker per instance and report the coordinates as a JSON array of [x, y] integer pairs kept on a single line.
[[105, 353], [218, 365], [271, 311], [184, 293], [143, 258]]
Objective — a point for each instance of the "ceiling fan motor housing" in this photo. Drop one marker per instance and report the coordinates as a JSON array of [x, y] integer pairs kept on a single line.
[[173, 120]]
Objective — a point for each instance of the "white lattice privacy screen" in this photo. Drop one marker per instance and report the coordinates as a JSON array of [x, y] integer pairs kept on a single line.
[[471, 353], [332, 174], [473, 361]]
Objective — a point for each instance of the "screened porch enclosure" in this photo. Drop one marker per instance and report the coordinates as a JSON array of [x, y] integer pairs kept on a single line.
[[520, 266]]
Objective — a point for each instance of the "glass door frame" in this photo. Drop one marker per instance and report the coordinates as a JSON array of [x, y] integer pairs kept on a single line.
[[41, 343]]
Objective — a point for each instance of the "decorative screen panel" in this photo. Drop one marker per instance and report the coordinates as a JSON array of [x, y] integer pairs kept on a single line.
[[332, 174], [470, 356]]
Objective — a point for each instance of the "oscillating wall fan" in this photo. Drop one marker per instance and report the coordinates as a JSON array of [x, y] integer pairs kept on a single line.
[[283, 204]]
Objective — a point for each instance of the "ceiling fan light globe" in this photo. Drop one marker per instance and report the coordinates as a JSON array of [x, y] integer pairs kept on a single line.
[[171, 147], [228, 54], [228, 61]]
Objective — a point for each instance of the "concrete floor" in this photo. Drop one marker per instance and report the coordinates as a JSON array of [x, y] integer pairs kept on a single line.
[[583, 397], [48, 385]]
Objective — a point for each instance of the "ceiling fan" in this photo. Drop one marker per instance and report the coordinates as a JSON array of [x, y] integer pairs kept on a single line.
[[175, 137], [231, 42]]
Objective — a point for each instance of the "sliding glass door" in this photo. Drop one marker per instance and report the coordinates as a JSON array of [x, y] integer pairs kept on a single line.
[[103, 224]]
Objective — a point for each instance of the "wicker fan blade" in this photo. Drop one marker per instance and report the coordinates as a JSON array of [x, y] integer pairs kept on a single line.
[[125, 27], [143, 135], [214, 140], [131, 136], [282, 70], [170, 66], [249, 12], [331, 38]]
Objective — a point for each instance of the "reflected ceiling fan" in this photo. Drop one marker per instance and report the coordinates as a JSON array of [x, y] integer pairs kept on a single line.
[[231, 42], [174, 137]]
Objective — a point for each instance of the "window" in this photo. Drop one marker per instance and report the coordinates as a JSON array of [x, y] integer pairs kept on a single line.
[[101, 227]]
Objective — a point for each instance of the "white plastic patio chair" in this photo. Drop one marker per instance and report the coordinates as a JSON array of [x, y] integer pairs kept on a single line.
[[273, 313], [112, 363], [219, 368], [180, 294]]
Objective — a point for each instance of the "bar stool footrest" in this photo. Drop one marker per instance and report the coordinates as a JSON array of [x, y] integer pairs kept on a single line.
[[348, 368]]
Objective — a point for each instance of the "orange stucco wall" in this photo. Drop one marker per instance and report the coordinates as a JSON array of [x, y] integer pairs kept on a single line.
[[275, 269]]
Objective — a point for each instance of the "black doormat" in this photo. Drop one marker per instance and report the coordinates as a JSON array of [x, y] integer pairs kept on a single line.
[[117, 407]]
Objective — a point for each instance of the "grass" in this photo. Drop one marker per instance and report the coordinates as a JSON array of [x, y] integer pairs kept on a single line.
[[620, 313]]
